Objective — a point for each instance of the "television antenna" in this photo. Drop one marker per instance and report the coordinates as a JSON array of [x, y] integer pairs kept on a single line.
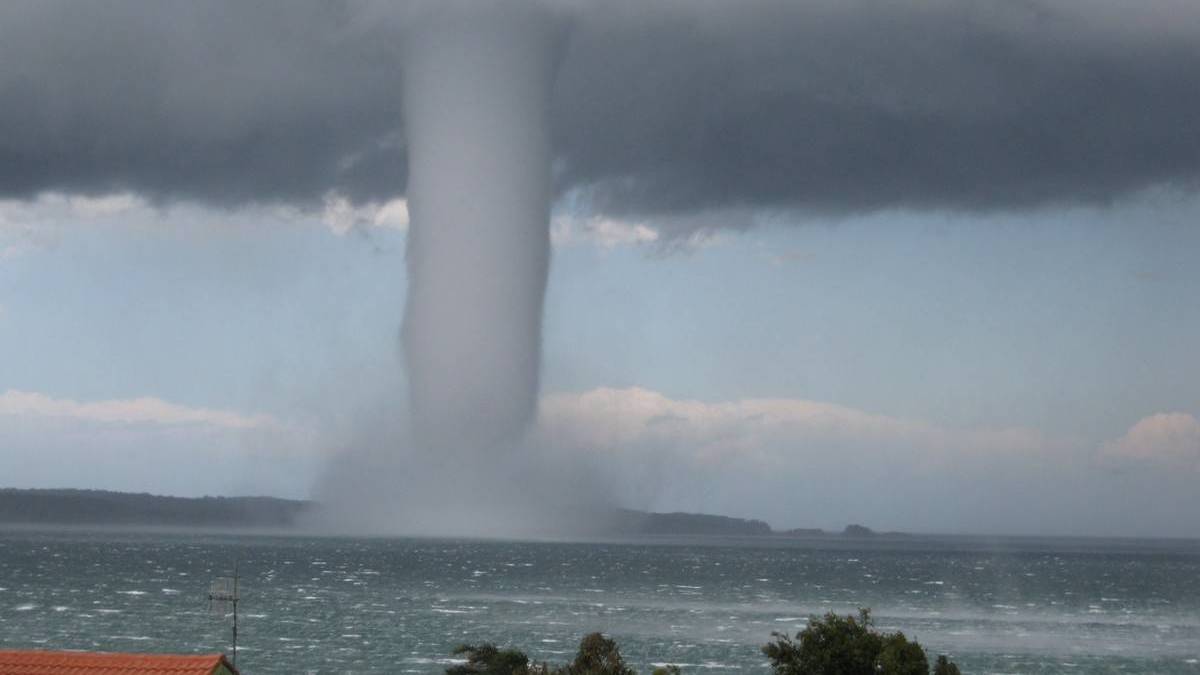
[[223, 597]]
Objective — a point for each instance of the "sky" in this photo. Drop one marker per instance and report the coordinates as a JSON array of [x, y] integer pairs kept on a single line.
[[941, 279]]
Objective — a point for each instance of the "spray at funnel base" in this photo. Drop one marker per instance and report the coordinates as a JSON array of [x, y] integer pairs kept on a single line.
[[476, 90]]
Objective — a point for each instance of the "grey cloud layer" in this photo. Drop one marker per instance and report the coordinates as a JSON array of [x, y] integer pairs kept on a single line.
[[225, 102], [664, 107]]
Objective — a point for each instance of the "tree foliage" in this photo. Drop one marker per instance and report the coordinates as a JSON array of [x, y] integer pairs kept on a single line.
[[830, 645], [597, 655], [945, 666], [901, 657], [834, 645], [848, 645], [487, 659]]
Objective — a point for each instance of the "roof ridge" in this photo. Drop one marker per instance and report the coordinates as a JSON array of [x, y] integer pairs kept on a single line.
[[39, 662]]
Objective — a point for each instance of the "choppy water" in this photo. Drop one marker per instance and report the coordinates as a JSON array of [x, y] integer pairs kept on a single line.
[[386, 606]]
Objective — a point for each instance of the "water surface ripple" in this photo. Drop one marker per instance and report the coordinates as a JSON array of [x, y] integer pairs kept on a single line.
[[326, 605]]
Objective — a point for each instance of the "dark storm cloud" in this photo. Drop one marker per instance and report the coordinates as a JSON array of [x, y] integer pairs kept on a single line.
[[853, 105], [664, 107], [220, 101]]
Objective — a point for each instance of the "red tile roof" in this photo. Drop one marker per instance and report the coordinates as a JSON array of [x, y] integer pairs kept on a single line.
[[18, 662]]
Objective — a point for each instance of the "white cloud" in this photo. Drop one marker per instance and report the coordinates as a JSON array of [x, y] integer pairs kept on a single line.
[[610, 233], [53, 206], [103, 205], [607, 233], [37, 224], [768, 431], [803, 463], [1170, 440], [148, 444], [19, 231], [134, 411], [341, 215]]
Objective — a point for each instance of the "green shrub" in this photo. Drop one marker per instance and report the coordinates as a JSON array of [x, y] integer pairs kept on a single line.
[[901, 657], [597, 655], [848, 645], [487, 659]]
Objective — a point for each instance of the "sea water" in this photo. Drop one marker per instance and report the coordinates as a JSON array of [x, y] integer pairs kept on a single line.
[[329, 605]]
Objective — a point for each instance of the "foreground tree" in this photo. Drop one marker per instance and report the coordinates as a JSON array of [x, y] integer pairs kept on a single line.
[[945, 667], [901, 657], [848, 645], [830, 645], [487, 659], [597, 655], [834, 645]]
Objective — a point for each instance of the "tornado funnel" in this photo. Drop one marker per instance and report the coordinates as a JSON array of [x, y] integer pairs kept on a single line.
[[476, 93]]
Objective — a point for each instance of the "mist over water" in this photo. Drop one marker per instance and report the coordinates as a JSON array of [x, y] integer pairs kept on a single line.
[[382, 481]]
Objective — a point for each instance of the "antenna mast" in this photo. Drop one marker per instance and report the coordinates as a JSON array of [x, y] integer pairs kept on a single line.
[[222, 595]]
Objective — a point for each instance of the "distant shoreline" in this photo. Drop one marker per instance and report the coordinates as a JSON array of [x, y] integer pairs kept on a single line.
[[76, 508], [110, 511]]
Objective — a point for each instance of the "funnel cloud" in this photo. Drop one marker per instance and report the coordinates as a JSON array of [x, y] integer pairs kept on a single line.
[[476, 96], [476, 85]]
